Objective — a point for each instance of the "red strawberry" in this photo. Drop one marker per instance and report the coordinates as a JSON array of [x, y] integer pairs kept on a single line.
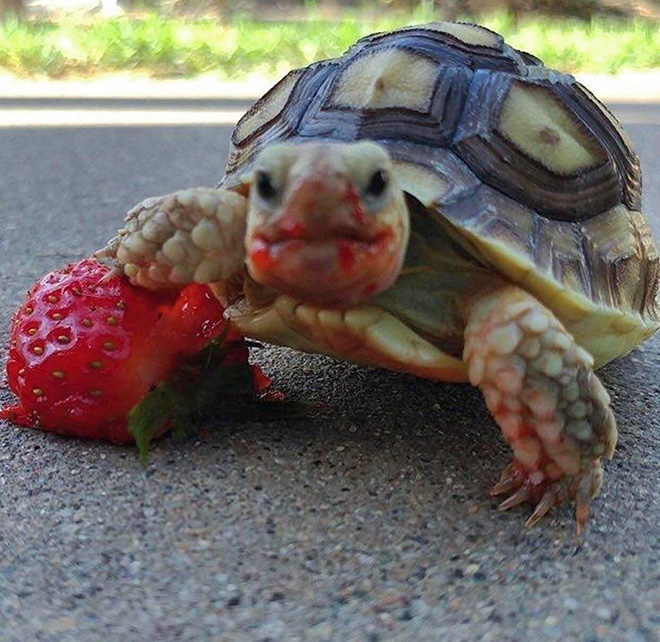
[[86, 348], [194, 319]]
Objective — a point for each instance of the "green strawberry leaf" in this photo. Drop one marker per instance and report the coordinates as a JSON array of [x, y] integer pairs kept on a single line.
[[145, 418], [200, 388]]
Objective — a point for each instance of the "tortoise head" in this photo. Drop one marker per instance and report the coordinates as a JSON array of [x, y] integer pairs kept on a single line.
[[327, 223]]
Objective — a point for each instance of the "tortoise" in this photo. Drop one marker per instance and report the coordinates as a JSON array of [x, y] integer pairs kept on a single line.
[[438, 203]]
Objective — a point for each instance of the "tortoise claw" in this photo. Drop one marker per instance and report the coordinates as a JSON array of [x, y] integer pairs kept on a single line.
[[587, 487], [581, 514], [547, 493], [548, 501], [519, 497], [509, 480]]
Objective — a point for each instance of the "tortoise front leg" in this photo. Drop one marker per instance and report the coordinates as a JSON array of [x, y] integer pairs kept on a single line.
[[195, 235], [541, 389]]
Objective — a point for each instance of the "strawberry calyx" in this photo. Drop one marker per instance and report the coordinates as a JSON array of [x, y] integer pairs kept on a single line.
[[217, 379]]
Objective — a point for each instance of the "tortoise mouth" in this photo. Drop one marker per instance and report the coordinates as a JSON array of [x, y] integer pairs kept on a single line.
[[337, 270]]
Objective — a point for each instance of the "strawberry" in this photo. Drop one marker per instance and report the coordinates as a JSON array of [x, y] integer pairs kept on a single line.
[[87, 348]]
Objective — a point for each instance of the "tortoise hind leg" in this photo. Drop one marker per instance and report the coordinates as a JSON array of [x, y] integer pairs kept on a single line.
[[541, 389], [195, 235]]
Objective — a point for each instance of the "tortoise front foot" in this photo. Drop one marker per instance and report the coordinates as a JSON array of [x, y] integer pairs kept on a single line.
[[531, 485], [541, 389], [195, 235]]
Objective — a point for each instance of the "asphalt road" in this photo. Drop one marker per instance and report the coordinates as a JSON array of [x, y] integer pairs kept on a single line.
[[369, 521]]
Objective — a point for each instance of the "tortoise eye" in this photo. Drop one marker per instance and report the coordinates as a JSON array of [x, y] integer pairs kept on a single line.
[[265, 187], [377, 183]]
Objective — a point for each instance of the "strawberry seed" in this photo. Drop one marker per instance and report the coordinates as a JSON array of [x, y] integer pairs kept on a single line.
[[62, 338], [58, 374], [38, 350], [95, 392], [96, 365]]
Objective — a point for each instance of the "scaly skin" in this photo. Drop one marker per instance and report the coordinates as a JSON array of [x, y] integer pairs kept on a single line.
[[192, 236], [551, 407]]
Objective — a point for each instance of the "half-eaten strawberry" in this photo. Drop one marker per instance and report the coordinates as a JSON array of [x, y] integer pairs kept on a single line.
[[89, 353]]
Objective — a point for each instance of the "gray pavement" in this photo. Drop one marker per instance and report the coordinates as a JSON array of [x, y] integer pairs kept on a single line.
[[368, 521]]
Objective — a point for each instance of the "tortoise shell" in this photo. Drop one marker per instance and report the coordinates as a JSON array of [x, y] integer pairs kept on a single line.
[[523, 163]]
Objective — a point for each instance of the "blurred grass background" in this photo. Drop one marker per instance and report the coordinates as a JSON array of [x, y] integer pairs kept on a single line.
[[189, 37]]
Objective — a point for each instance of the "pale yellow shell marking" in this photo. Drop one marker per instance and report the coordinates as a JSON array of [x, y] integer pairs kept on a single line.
[[389, 78], [364, 334], [267, 110], [542, 128], [429, 187], [469, 34]]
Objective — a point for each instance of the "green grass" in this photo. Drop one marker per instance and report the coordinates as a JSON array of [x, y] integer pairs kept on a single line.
[[164, 46]]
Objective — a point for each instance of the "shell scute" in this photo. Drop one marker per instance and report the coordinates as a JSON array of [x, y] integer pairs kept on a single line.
[[521, 138]]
